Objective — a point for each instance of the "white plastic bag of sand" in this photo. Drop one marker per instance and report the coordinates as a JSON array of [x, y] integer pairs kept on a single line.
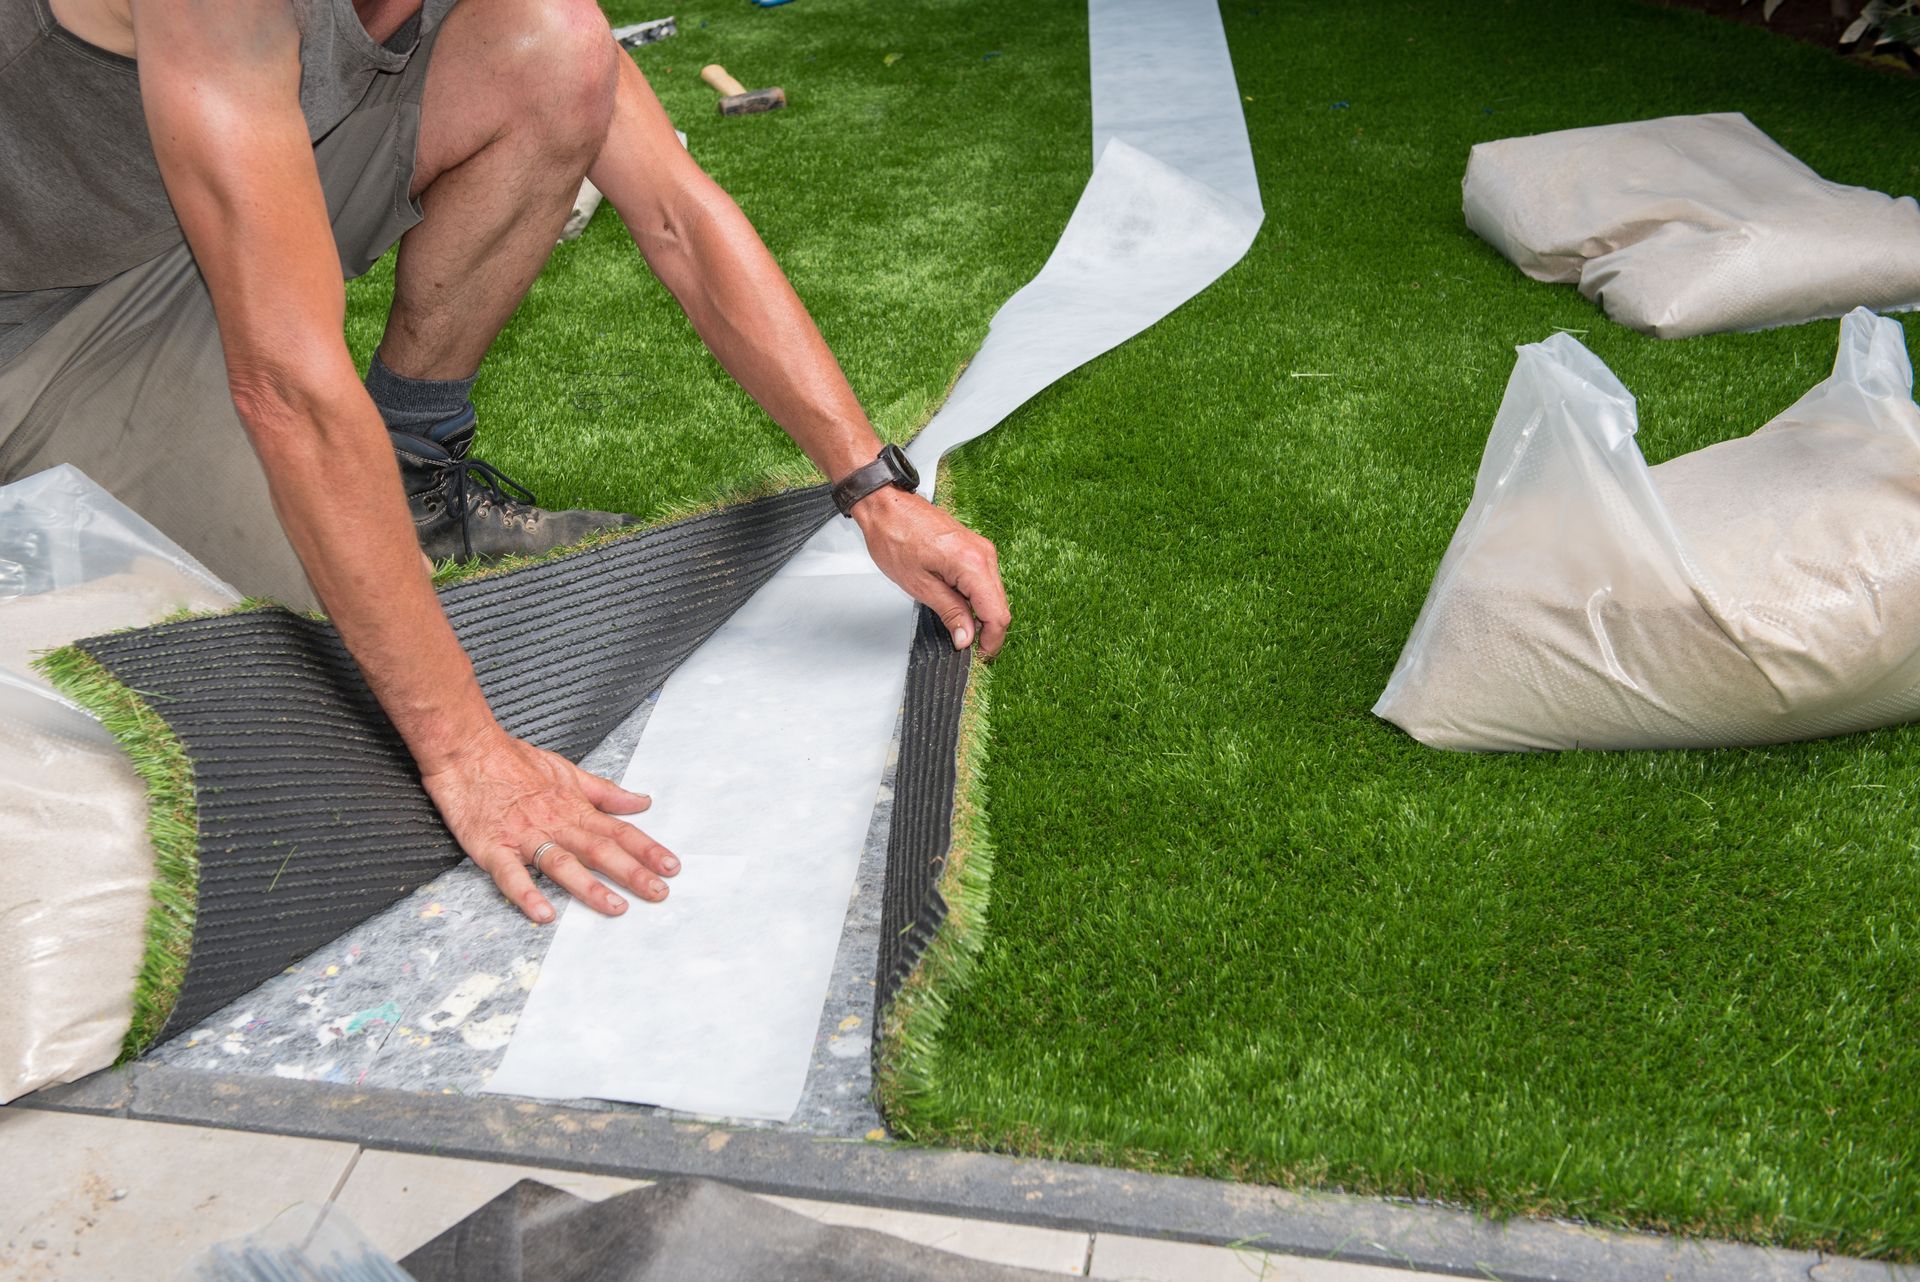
[[1761, 590], [76, 866]]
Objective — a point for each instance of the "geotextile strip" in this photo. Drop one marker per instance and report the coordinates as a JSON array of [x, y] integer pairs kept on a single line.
[[310, 815]]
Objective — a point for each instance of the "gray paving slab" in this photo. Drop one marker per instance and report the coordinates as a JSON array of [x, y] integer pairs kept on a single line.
[[1119, 1258], [1059, 1195], [97, 1200], [403, 1200]]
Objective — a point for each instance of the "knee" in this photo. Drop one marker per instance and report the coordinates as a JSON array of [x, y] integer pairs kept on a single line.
[[564, 68]]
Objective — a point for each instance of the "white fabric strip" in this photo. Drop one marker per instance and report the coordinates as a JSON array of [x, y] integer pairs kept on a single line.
[[766, 751]]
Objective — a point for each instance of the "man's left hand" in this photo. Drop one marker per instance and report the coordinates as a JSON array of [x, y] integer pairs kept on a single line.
[[940, 563]]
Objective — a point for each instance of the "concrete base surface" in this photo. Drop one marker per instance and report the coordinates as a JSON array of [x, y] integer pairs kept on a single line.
[[108, 1199], [1141, 1219]]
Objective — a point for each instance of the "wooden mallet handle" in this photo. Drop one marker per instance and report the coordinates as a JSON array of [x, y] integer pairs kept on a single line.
[[716, 75]]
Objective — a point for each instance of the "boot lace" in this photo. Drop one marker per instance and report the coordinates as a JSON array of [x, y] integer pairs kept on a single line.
[[471, 484]]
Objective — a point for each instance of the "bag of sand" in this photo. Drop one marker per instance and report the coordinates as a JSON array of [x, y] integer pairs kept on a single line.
[[76, 866], [1761, 590], [1692, 225]]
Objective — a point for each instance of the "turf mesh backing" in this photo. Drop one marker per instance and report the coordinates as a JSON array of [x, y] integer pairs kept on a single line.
[[921, 829], [311, 815]]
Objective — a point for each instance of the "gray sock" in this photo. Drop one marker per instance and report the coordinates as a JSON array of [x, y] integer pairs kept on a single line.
[[416, 404]]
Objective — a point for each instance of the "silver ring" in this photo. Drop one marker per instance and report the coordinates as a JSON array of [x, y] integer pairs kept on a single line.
[[540, 850]]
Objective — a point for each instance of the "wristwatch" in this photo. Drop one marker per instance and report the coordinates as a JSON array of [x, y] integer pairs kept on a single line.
[[891, 468]]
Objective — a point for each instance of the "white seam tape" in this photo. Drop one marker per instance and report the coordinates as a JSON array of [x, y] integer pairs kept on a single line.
[[766, 751]]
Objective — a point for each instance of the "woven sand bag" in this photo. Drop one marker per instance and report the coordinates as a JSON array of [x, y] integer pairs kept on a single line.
[[1692, 225]]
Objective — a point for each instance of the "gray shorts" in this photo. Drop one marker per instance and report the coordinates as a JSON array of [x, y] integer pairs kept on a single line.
[[129, 383]]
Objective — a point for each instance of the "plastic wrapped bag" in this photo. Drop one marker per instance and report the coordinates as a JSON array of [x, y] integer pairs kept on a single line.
[[1760, 590], [76, 869], [1691, 225], [304, 1243]]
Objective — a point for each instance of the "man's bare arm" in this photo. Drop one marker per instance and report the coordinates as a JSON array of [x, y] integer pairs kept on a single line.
[[696, 240], [220, 82]]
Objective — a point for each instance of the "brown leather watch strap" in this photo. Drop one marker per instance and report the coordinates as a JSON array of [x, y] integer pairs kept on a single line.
[[890, 468]]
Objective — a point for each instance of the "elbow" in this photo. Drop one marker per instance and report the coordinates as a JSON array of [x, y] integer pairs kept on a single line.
[[677, 227], [288, 400]]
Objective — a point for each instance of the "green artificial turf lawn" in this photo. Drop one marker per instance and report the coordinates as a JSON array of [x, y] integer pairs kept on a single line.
[[1236, 925]]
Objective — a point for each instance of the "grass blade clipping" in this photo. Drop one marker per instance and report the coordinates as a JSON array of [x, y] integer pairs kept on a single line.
[[1761, 590]]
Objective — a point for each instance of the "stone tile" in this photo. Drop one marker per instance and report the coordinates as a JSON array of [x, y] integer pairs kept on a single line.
[[405, 1200], [1054, 1250], [1136, 1259], [105, 1198]]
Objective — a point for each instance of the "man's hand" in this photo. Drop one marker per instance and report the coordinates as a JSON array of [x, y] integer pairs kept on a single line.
[[940, 562], [504, 799], [702, 248]]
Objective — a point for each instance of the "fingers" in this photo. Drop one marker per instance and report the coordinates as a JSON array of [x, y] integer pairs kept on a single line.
[[971, 600], [943, 564], [628, 856], [509, 872], [638, 844], [952, 609], [610, 796], [605, 854], [980, 583], [564, 866], [518, 799], [612, 800], [597, 843]]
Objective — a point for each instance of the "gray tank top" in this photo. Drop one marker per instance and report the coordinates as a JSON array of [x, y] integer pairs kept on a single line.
[[80, 194]]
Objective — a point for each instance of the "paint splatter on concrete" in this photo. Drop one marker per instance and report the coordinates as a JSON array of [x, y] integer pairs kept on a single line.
[[462, 1001], [489, 1034]]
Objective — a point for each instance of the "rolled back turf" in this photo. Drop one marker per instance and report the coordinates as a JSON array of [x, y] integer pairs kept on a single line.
[[283, 807]]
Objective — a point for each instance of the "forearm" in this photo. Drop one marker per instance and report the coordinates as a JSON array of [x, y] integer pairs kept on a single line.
[[336, 489], [703, 249], [223, 110]]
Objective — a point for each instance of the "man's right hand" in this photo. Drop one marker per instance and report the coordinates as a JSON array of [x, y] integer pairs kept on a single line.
[[504, 798]]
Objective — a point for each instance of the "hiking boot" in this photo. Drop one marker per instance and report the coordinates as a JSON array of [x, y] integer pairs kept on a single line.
[[466, 509]]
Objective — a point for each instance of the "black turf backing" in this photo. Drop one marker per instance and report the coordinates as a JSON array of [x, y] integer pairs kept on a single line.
[[312, 818], [921, 830]]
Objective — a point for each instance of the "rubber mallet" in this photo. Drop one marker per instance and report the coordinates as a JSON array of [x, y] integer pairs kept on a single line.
[[735, 100]]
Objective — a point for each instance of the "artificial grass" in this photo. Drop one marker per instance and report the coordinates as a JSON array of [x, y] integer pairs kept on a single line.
[[1237, 926], [172, 830], [909, 1033], [1240, 927], [599, 395]]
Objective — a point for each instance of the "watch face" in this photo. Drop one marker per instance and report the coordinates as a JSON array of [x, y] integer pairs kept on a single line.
[[907, 477]]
